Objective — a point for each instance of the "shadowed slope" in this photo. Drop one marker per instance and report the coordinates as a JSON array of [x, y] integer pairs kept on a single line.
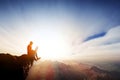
[[14, 67]]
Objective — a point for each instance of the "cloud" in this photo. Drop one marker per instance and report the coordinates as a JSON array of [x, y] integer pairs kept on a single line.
[[95, 36], [102, 47]]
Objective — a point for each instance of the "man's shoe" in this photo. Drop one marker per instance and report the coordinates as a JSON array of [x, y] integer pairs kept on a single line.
[[38, 58]]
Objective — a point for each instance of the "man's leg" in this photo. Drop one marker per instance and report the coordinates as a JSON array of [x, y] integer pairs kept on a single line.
[[37, 57]]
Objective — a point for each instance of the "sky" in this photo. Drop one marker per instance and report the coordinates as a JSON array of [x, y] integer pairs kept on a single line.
[[78, 29]]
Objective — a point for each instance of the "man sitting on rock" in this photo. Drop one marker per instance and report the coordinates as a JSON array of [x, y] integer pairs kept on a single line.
[[32, 53]]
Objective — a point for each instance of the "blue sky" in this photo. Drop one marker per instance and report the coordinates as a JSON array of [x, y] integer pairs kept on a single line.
[[87, 25]]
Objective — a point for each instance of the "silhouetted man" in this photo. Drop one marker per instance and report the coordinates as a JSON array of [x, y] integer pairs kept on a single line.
[[32, 53]]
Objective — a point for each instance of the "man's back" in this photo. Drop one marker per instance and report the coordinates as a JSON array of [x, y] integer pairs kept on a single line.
[[29, 49]]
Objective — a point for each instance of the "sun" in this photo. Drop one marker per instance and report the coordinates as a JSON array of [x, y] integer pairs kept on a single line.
[[52, 46]]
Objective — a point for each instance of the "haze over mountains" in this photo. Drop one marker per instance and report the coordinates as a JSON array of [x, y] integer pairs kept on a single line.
[[70, 70]]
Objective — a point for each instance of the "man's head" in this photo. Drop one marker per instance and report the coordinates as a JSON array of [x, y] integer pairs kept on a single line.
[[31, 42]]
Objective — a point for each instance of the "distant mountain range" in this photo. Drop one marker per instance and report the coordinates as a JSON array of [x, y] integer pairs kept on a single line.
[[70, 70]]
